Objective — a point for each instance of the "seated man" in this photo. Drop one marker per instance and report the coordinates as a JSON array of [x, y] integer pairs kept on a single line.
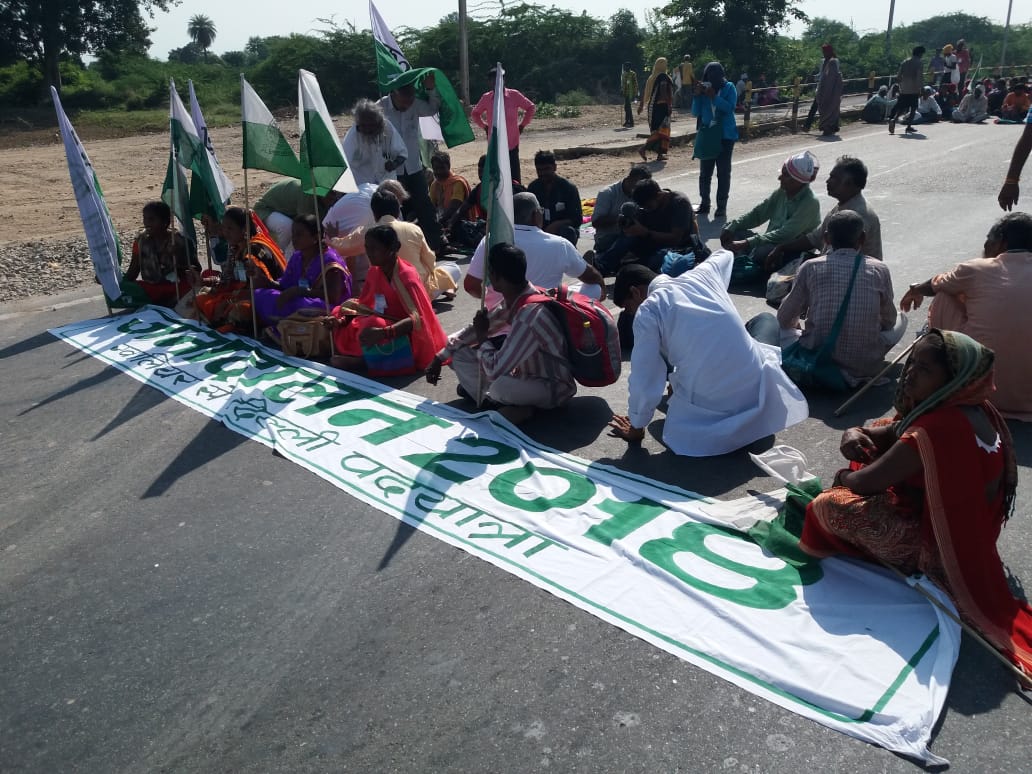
[[727, 390], [877, 107], [161, 259], [606, 215], [789, 212], [871, 327], [447, 190], [974, 108], [283, 202], [530, 369], [988, 299], [548, 257], [559, 198], [663, 221], [466, 227], [928, 110], [1015, 105]]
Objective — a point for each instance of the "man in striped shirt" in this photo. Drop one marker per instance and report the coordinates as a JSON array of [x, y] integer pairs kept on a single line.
[[530, 369]]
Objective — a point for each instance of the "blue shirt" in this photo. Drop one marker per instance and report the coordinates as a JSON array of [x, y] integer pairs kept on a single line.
[[724, 103]]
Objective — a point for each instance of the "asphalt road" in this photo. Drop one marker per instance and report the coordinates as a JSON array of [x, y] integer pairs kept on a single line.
[[175, 598]]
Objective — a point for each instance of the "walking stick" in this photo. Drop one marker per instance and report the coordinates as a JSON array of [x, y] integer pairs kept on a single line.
[[247, 236], [869, 384], [322, 266]]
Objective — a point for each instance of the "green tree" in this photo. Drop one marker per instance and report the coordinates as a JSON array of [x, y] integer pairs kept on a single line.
[[45, 31], [742, 33], [202, 31]]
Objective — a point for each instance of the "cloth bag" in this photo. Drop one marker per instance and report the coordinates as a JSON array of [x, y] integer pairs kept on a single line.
[[389, 358], [815, 367], [304, 335]]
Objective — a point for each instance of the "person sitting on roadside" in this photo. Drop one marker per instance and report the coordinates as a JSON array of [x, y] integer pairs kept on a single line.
[[995, 97], [439, 279], [929, 491], [973, 109], [448, 190], [928, 110], [283, 202], [877, 107], [313, 281], [225, 302], [530, 369], [394, 306], [548, 257], [468, 225], [872, 326], [605, 217], [1015, 105], [988, 299], [658, 223], [161, 258], [559, 197], [947, 100], [373, 147], [726, 389], [789, 212]]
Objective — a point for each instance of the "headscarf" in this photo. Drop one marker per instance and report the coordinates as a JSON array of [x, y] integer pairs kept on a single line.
[[659, 68], [970, 384], [802, 167], [828, 50], [947, 49]]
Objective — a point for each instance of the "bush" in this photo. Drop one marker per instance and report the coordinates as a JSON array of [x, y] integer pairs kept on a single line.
[[20, 85], [575, 98], [548, 110]]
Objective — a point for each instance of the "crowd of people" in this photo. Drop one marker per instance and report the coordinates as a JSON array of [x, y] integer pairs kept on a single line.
[[366, 269]]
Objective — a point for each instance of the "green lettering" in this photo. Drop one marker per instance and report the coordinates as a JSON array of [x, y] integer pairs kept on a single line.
[[625, 518], [139, 327], [396, 426], [431, 462], [504, 489], [770, 589]]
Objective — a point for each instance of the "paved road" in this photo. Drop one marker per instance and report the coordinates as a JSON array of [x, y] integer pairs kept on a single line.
[[174, 598]]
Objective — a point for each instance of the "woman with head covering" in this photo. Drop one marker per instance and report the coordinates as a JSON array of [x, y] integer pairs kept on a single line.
[[659, 95], [829, 92], [930, 490], [714, 104]]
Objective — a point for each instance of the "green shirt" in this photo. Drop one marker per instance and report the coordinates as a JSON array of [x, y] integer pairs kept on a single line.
[[785, 218], [629, 84], [287, 197]]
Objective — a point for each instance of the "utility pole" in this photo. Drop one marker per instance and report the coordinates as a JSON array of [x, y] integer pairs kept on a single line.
[[463, 54], [1006, 29], [888, 31]]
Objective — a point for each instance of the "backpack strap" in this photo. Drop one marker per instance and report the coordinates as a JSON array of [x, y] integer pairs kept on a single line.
[[836, 328]]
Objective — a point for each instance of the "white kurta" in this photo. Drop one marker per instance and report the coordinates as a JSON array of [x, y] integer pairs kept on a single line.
[[728, 389]]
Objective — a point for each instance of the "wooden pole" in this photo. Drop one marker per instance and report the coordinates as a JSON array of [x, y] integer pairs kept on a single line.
[[870, 383], [247, 235], [322, 260], [795, 104]]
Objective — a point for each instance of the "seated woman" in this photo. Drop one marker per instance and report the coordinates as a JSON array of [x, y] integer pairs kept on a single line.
[[929, 491], [307, 281], [393, 306], [161, 258], [226, 300]]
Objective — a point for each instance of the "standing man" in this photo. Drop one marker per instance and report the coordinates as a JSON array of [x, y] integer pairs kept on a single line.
[[911, 76], [559, 198], [403, 109], [518, 114], [629, 91], [937, 67], [687, 82]]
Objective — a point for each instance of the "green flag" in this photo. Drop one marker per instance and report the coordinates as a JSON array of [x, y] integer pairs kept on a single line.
[[179, 197], [322, 157], [195, 156], [496, 191], [265, 147]]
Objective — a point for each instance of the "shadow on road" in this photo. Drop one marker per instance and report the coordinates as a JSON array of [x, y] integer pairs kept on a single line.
[[209, 444], [39, 340]]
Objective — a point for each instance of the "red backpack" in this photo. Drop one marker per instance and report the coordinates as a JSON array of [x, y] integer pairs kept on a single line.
[[592, 339]]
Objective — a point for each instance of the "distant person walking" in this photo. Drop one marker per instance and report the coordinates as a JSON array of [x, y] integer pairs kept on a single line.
[[911, 77], [829, 92], [629, 92], [659, 95]]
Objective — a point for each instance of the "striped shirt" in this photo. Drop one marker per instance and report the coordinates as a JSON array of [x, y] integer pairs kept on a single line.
[[534, 349]]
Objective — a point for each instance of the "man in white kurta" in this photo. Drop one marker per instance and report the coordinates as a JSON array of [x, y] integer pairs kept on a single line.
[[728, 390]]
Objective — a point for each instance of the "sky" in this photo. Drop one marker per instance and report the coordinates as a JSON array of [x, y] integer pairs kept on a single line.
[[238, 20]]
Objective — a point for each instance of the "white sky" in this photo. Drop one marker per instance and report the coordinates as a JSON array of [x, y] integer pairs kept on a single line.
[[238, 20]]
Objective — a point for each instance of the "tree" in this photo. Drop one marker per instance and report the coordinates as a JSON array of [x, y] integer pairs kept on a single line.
[[45, 31], [202, 31], [742, 33]]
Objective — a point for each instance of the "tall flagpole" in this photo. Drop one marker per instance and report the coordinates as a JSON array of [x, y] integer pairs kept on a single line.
[[175, 201]]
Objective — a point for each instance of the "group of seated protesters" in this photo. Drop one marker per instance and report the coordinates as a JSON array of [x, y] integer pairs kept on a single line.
[[979, 101]]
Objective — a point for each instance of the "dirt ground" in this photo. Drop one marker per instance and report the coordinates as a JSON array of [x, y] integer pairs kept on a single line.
[[37, 195]]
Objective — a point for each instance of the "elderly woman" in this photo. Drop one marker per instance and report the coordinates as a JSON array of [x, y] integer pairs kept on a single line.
[[392, 329], [930, 490], [309, 280], [829, 92], [372, 146]]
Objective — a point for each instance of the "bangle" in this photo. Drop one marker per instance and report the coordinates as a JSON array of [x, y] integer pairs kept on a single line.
[[1012, 181], [390, 332]]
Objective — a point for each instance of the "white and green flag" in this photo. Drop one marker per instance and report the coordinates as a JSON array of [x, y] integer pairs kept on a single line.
[[101, 237], [225, 186], [193, 155], [496, 194], [175, 192], [322, 157], [265, 147]]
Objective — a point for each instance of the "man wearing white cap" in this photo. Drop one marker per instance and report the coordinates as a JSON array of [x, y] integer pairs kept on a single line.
[[789, 212]]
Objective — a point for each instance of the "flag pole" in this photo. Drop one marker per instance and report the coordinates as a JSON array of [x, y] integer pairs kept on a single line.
[[322, 262], [175, 199], [247, 236]]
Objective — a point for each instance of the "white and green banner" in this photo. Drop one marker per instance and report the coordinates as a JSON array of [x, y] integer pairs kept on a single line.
[[838, 641]]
